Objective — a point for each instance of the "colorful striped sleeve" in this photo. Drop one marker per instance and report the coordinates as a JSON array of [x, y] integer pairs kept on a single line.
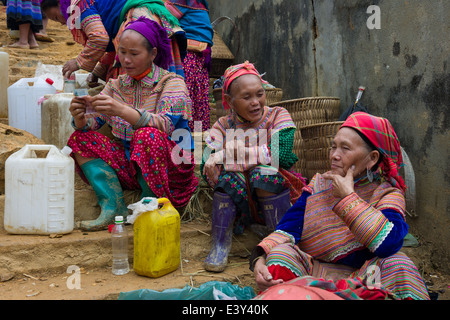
[[175, 99], [96, 44], [381, 231], [274, 239], [157, 121]]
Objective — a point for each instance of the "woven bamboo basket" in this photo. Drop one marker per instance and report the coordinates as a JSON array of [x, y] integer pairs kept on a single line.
[[273, 95], [221, 56], [317, 140], [309, 111]]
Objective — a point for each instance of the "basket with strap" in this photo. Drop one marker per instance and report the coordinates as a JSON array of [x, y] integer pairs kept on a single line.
[[221, 56]]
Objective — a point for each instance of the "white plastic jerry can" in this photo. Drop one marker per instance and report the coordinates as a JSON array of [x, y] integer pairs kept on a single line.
[[56, 120], [4, 81], [24, 111], [39, 191]]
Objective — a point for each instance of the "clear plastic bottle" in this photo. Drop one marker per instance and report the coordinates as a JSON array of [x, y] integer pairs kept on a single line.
[[119, 237]]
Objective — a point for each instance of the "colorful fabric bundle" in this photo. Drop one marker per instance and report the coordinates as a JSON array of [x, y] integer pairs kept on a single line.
[[194, 19], [381, 134], [310, 288], [154, 6]]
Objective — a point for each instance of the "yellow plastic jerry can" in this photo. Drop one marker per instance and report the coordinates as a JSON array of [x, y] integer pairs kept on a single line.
[[157, 241]]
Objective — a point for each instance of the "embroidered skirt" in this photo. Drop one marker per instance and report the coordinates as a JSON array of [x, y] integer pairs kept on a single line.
[[168, 170], [396, 273]]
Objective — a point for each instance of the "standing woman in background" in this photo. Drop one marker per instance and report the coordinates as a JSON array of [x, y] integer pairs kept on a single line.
[[25, 16], [194, 19]]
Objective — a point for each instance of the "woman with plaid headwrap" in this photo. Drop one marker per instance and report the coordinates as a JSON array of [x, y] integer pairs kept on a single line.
[[248, 158], [351, 218]]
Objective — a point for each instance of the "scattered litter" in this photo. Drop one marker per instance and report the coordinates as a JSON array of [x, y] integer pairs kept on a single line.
[[33, 294], [410, 241], [146, 204], [55, 235], [31, 277]]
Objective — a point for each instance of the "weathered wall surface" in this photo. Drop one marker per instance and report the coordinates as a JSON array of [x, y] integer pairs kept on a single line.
[[322, 47]]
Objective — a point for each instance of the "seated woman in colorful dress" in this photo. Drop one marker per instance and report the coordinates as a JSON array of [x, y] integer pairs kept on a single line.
[[146, 108], [98, 24], [248, 157], [351, 218]]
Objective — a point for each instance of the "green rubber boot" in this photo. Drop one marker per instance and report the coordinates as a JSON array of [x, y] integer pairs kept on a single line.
[[106, 185], [146, 191]]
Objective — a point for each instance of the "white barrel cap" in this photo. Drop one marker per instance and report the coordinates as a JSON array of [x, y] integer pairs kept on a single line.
[[66, 150]]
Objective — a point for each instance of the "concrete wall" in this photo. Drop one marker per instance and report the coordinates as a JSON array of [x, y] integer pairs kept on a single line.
[[323, 47]]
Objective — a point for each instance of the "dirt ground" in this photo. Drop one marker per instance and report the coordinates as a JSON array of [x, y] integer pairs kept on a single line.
[[100, 283]]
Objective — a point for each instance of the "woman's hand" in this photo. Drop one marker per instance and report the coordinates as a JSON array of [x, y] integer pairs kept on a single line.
[[263, 277], [92, 80], [78, 110], [70, 67], [106, 105], [342, 186], [211, 169]]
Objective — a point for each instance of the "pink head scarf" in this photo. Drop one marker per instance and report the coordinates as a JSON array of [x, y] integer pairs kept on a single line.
[[381, 134], [234, 72]]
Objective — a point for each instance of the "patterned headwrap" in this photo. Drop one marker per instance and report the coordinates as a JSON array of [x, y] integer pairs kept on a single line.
[[157, 37], [234, 72], [381, 134]]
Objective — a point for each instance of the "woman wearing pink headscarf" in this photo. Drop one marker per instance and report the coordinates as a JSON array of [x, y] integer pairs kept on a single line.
[[349, 222], [247, 161]]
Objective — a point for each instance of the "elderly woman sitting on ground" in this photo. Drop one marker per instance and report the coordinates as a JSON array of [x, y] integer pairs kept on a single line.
[[351, 219], [143, 107], [248, 157]]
